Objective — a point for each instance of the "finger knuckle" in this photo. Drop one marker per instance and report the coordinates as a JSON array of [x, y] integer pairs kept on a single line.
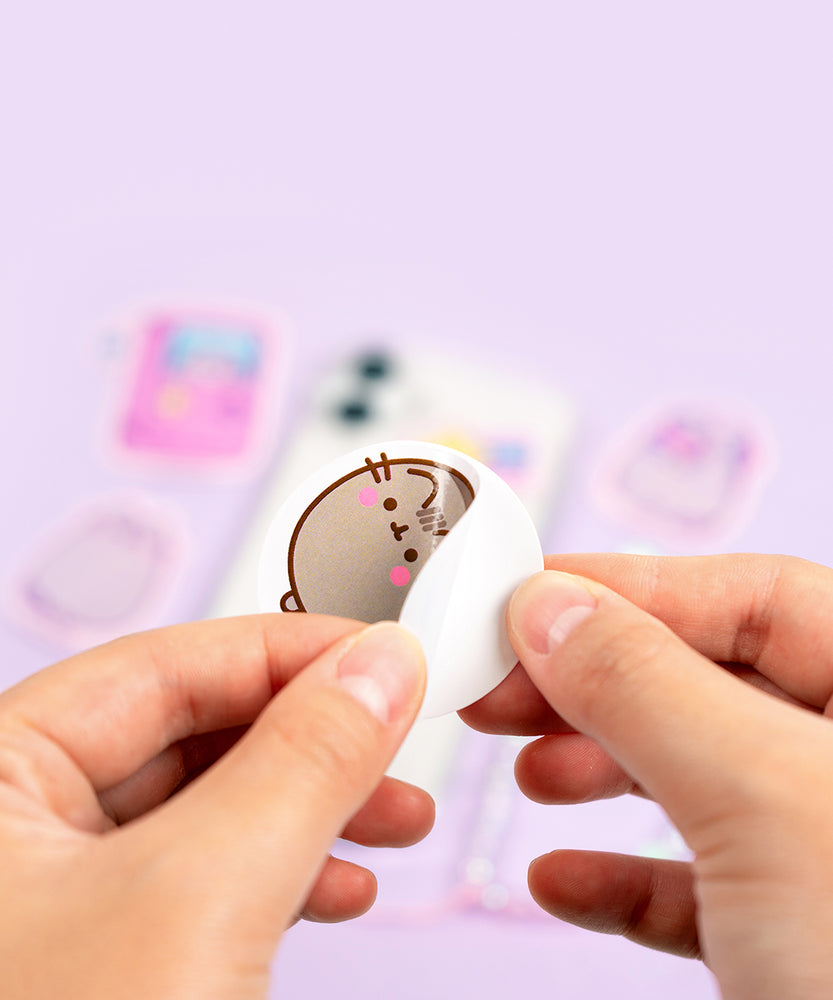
[[770, 584]]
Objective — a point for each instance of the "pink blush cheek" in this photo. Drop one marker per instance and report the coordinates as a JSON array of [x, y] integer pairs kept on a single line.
[[368, 496], [399, 576]]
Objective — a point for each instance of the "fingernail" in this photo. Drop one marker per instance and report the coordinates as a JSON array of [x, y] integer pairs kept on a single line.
[[547, 607], [384, 669]]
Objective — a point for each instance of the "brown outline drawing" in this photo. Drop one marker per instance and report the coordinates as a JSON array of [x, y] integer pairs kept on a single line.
[[371, 466]]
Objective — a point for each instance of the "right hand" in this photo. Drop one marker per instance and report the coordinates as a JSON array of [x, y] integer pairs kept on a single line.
[[631, 671]]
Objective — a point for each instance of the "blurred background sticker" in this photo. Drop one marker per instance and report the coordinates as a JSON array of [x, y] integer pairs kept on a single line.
[[102, 571], [197, 388], [686, 474]]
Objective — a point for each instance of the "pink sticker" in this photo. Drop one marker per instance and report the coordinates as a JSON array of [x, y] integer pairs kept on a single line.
[[197, 392]]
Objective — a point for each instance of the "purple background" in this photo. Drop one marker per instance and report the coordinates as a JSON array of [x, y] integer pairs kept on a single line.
[[631, 198]]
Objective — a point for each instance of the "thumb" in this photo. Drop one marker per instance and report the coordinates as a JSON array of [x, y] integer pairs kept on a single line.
[[692, 735], [263, 819]]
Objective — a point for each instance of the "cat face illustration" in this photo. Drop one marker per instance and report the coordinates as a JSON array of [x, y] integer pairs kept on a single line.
[[359, 546]]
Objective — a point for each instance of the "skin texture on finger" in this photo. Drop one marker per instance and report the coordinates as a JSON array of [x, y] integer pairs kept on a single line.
[[342, 891], [737, 771], [658, 707], [191, 898], [141, 694], [770, 612], [517, 708], [514, 708], [168, 772], [763, 616], [397, 814], [288, 788], [649, 901], [569, 769]]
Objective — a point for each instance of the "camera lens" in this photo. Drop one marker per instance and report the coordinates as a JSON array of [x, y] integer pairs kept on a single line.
[[375, 365], [354, 411]]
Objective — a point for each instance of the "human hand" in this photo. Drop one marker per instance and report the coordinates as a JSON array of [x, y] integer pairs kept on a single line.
[[113, 886], [643, 693]]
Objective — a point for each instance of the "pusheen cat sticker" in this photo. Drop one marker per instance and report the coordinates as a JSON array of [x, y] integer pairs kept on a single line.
[[359, 546], [413, 532]]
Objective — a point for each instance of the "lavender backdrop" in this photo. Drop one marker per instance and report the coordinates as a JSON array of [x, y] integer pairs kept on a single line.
[[633, 199]]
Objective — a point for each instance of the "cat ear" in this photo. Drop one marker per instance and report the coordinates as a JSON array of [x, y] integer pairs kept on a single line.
[[288, 597]]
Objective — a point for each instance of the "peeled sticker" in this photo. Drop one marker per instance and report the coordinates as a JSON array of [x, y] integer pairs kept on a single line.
[[411, 532]]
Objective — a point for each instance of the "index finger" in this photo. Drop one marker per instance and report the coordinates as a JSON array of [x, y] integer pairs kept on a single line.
[[703, 744], [767, 612], [113, 708], [770, 612]]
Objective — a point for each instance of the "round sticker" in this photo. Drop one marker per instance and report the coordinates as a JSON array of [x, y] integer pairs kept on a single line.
[[412, 532]]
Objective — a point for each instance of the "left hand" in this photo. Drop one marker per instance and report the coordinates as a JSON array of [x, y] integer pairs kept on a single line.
[[121, 876]]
